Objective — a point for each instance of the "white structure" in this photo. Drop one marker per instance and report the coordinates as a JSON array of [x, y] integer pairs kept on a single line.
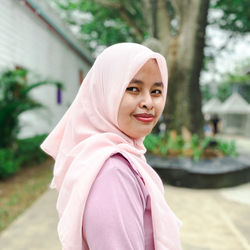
[[234, 114], [212, 107], [32, 36]]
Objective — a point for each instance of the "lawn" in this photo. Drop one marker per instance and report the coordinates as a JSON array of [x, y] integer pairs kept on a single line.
[[20, 191]]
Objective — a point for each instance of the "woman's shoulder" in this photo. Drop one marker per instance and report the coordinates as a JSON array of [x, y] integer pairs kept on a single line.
[[118, 169], [118, 162]]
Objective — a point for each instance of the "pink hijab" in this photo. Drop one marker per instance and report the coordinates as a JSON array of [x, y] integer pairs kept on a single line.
[[88, 134]]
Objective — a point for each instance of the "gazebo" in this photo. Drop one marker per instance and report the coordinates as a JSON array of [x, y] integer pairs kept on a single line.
[[212, 107], [235, 114]]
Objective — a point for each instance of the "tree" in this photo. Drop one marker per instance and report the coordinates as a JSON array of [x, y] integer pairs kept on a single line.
[[231, 19], [179, 25], [234, 82], [237, 80], [234, 17]]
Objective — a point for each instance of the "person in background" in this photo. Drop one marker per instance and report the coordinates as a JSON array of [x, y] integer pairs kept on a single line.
[[215, 124]]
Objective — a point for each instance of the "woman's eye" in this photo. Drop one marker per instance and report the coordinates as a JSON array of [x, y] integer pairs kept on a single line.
[[132, 89], [157, 91]]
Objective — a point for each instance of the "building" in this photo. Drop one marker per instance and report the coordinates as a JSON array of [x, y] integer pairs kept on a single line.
[[211, 107], [234, 114], [34, 37]]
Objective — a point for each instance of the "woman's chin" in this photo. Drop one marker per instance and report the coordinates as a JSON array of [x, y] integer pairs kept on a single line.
[[140, 134]]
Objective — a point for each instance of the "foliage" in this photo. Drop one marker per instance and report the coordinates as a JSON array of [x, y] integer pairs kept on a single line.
[[234, 82], [235, 15], [109, 22], [238, 80], [27, 152], [14, 100], [8, 163], [206, 92], [103, 26], [244, 91], [196, 148], [224, 91], [227, 148]]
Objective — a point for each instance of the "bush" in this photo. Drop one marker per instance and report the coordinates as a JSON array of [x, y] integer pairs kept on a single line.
[[28, 150], [227, 148], [27, 153], [8, 163], [14, 100], [172, 144]]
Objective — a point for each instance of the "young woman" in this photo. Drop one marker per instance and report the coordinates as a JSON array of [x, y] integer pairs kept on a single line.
[[109, 197]]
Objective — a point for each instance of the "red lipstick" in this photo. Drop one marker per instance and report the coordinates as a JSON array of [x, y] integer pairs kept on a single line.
[[144, 117]]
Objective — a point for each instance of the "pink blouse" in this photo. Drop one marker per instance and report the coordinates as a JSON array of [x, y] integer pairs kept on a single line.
[[118, 212]]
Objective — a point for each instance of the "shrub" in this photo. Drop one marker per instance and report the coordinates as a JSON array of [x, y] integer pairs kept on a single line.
[[14, 100], [172, 144], [228, 148], [8, 163], [27, 153], [28, 150]]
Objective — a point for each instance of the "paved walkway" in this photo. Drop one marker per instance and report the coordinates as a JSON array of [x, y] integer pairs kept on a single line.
[[212, 220]]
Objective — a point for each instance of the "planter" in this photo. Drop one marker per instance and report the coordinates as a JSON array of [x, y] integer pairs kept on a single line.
[[216, 173]]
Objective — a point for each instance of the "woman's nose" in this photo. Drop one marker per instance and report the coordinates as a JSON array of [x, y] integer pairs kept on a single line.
[[146, 101]]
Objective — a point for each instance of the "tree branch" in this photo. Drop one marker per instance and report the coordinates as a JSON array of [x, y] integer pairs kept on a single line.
[[147, 14], [177, 7], [109, 4], [180, 7], [163, 22]]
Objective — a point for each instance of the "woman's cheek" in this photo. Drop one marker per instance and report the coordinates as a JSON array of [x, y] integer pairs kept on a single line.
[[161, 105]]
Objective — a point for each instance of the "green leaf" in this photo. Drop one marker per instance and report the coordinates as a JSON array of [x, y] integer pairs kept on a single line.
[[14, 100]]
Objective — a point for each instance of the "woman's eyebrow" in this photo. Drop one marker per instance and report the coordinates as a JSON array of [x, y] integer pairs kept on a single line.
[[159, 84], [134, 80]]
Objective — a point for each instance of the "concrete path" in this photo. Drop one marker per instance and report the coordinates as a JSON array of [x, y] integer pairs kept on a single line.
[[212, 219], [35, 229]]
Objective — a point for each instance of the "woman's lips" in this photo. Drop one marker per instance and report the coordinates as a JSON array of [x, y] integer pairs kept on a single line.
[[144, 117]]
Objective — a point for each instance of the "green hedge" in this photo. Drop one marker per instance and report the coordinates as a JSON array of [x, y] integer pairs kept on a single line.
[[165, 145], [27, 153], [9, 165]]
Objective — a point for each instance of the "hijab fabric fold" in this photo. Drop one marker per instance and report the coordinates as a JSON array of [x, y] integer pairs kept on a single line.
[[88, 134]]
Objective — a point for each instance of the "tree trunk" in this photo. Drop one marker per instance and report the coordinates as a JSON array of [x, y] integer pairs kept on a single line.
[[184, 54], [180, 26]]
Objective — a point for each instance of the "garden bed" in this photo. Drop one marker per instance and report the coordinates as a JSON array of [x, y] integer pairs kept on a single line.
[[206, 173]]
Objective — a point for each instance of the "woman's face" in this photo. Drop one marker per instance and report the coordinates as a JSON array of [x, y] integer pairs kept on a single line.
[[142, 102]]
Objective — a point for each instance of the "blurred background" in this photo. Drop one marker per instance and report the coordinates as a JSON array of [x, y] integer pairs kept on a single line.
[[47, 47]]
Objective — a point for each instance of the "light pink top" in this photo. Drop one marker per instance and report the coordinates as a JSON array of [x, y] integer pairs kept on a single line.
[[118, 210]]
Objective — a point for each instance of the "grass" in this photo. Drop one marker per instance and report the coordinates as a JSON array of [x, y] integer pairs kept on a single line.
[[20, 191]]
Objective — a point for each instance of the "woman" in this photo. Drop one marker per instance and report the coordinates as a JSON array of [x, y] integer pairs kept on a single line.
[[109, 197]]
